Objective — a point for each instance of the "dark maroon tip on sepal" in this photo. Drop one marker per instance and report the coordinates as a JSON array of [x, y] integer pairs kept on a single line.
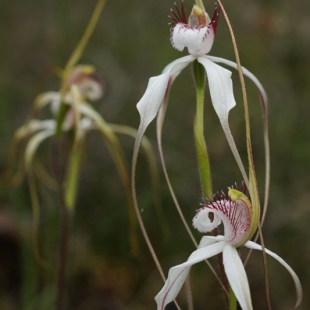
[[215, 18]]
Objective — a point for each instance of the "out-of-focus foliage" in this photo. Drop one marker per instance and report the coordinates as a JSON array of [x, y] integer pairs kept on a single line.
[[130, 44]]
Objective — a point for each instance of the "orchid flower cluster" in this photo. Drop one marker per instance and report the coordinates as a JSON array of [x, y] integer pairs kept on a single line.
[[72, 112], [73, 116], [239, 213]]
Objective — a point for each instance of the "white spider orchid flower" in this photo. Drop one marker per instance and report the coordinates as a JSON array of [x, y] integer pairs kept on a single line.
[[236, 215], [79, 87], [197, 34], [87, 86]]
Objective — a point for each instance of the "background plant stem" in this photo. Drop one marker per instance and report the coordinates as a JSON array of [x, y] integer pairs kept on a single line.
[[63, 257], [58, 165]]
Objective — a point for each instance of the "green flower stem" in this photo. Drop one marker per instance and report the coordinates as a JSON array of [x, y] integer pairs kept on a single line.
[[201, 147], [232, 300], [75, 57], [203, 159], [73, 176]]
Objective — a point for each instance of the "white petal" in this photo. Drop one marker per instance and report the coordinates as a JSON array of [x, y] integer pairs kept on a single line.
[[264, 102], [34, 125], [178, 274], [153, 97], [223, 100], [255, 246], [208, 240], [51, 97], [176, 66], [237, 277], [87, 124], [34, 143], [247, 73], [220, 85], [150, 102], [90, 88]]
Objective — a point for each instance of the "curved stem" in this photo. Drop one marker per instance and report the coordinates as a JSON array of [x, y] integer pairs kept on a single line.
[[253, 189], [63, 257], [138, 142]]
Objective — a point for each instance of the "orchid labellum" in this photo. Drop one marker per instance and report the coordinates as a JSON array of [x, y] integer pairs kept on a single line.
[[236, 214]]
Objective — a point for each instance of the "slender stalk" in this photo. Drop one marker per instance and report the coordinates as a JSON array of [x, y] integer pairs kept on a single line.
[[252, 176], [189, 295], [65, 227], [232, 300], [201, 147], [63, 257], [202, 154], [139, 138], [76, 55], [266, 274]]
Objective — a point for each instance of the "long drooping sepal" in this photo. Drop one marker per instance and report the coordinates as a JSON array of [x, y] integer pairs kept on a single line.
[[237, 276], [177, 275], [253, 188], [223, 101], [148, 107], [34, 143], [255, 246], [51, 98], [152, 99], [264, 103]]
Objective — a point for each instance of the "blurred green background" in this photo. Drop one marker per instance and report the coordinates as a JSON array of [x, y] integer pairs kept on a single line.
[[129, 45]]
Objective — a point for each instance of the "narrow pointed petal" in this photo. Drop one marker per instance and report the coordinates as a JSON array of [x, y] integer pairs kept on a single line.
[[148, 107], [255, 246], [152, 99], [223, 100], [32, 126], [51, 97], [178, 274], [154, 95], [34, 143], [220, 85], [248, 74], [264, 103], [237, 277]]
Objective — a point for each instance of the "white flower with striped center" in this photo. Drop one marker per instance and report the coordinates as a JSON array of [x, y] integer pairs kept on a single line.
[[235, 213]]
